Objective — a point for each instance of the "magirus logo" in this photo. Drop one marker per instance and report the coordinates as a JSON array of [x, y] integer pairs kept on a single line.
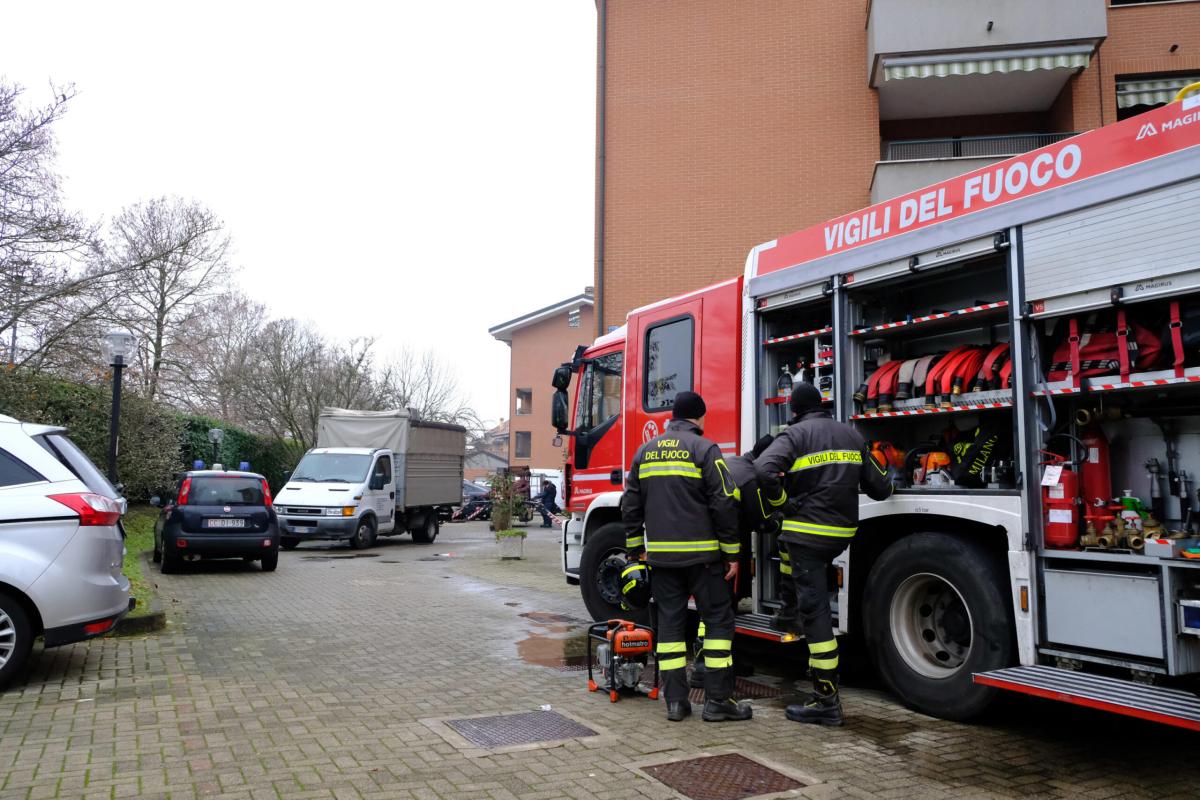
[[1146, 130]]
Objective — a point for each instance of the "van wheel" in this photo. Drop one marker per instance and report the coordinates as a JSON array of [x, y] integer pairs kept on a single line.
[[938, 611], [156, 556], [364, 537], [270, 561], [16, 638], [600, 570], [288, 543], [429, 531]]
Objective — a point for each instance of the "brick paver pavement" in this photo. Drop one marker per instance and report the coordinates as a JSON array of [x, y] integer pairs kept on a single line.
[[327, 678]]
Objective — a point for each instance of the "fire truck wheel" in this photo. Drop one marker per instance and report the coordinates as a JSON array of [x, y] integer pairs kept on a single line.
[[938, 611], [600, 569]]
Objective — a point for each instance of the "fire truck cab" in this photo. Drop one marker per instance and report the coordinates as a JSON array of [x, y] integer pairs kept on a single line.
[[1018, 342]]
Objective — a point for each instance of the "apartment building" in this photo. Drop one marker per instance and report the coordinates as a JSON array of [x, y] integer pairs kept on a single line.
[[540, 341], [723, 125]]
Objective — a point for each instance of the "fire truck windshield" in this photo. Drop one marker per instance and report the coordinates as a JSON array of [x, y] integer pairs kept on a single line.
[[599, 391]]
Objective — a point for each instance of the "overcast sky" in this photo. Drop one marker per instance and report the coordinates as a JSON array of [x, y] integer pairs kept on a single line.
[[413, 171]]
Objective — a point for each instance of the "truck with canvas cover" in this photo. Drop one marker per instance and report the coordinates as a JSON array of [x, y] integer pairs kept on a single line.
[[373, 473], [1021, 346]]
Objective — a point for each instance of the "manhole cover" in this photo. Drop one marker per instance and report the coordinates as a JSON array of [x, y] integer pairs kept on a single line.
[[743, 690], [727, 777], [511, 729]]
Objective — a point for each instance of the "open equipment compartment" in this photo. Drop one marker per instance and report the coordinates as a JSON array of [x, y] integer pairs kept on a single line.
[[1118, 401], [797, 336], [929, 357]]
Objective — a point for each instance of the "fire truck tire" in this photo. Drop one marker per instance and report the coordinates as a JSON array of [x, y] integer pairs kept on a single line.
[[600, 569], [937, 612]]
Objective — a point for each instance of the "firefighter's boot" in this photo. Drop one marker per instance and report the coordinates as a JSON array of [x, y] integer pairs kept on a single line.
[[824, 705], [678, 711], [728, 710]]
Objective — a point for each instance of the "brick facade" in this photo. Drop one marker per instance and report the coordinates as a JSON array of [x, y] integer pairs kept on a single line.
[[728, 125], [537, 349]]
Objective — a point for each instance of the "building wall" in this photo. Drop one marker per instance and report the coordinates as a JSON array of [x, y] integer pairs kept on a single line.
[[536, 350], [729, 125]]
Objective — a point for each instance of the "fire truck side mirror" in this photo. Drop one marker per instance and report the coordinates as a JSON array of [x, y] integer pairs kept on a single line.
[[562, 378], [558, 411]]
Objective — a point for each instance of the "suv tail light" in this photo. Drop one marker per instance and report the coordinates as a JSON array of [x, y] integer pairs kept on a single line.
[[184, 488], [93, 509], [266, 494]]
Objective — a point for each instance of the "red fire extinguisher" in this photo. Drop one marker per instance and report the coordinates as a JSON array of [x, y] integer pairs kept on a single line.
[[1060, 504], [1095, 472]]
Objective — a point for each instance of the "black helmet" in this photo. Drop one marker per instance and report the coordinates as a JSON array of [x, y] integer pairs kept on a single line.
[[635, 587]]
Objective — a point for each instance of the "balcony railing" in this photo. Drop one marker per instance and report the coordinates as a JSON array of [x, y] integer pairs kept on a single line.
[[968, 146]]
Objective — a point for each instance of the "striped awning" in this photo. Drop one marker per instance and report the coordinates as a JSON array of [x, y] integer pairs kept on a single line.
[[944, 67], [1150, 92]]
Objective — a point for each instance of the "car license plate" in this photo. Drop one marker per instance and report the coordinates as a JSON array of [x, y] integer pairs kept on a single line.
[[224, 523]]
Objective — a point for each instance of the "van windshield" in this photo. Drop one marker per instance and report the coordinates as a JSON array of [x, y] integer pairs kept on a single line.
[[332, 468]]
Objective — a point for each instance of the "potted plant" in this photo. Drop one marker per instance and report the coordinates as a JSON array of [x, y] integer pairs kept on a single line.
[[504, 501], [512, 543]]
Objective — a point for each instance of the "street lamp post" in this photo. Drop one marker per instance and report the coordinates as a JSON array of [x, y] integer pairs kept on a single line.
[[118, 347], [216, 436]]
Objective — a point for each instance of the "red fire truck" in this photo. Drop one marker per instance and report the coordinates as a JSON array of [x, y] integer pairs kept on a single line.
[[1062, 562]]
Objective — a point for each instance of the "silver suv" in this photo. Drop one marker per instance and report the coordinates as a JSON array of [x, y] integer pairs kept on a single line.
[[61, 544]]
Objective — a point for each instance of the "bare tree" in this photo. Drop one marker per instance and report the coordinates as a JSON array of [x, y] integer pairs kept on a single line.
[[176, 252], [424, 382], [217, 357], [50, 283]]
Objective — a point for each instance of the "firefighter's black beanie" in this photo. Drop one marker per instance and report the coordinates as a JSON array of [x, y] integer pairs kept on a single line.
[[689, 405], [805, 397]]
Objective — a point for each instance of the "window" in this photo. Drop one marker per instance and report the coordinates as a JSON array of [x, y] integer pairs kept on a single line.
[[668, 363], [383, 469], [573, 318], [14, 472], [524, 402], [70, 456], [524, 444], [599, 391], [221, 491]]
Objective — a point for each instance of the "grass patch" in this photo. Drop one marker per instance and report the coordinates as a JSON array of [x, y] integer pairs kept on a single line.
[[139, 537]]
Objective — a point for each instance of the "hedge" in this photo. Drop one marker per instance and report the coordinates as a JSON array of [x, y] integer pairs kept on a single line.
[[156, 440]]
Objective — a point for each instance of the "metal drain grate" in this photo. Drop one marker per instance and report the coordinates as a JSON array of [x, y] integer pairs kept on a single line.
[[743, 690], [727, 777], [511, 729]]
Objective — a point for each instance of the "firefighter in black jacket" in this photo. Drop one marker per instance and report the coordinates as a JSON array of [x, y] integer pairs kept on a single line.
[[755, 514], [679, 514], [824, 464]]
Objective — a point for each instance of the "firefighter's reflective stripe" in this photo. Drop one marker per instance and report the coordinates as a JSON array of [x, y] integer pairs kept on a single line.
[[685, 546], [778, 501], [823, 655], [796, 526], [635, 541], [731, 549], [677, 651], [656, 469], [700, 629], [727, 485], [716, 653], [825, 457], [785, 561]]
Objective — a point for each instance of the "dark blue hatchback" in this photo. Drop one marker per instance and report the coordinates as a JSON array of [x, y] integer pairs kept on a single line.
[[217, 514]]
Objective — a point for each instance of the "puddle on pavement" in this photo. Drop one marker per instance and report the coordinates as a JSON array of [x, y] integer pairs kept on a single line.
[[559, 642], [349, 555]]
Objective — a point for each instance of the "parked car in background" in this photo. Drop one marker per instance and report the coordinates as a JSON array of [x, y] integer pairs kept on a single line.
[[61, 544], [217, 514]]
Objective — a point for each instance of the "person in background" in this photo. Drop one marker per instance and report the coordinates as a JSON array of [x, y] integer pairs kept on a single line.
[[548, 500]]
